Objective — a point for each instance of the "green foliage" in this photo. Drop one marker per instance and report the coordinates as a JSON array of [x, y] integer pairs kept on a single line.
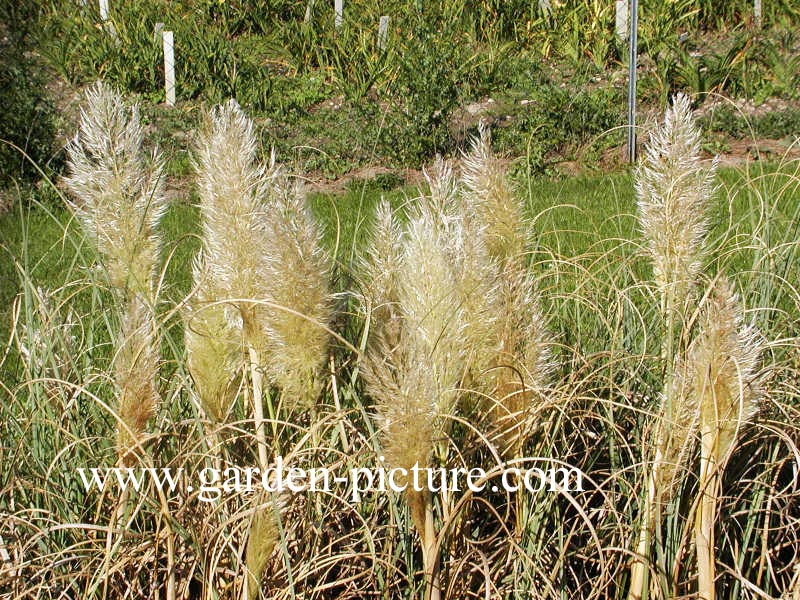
[[28, 121], [560, 120], [775, 124]]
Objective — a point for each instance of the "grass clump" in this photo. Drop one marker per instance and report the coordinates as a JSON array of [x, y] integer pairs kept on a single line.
[[495, 324], [120, 202]]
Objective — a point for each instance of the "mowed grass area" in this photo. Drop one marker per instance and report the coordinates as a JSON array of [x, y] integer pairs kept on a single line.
[[586, 223]]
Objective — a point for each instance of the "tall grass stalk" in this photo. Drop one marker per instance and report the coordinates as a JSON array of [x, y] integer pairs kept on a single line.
[[120, 201], [673, 190], [416, 359], [514, 336], [723, 364], [262, 253]]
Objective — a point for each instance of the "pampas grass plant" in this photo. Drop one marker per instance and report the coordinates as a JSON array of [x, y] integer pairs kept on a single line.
[[452, 308], [119, 200], [417, 356], [517, 344], [262, 254], [673, 190], [455, 372], [722, 372]]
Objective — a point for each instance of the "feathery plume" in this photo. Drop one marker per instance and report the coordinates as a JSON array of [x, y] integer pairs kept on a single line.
[[414, 364], [120, 202], [214, 348], [492, 201], [475, 272], [517, 341], [232, 186], [414, 374], [382, 270], [522, 365], [296, 276], [723, 360], [135, 368], [676, 432], [119, 194], [262, 247], [260, 543], [673, 190]]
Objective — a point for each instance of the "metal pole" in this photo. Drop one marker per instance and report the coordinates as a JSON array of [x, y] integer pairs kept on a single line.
[[634, 26]]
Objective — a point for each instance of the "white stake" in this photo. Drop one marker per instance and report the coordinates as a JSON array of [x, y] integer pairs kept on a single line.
[[169, 68], [107, 25], [757, 12], [622, 19], [546, 8], [383, 32], [339, 10], [309, 8]]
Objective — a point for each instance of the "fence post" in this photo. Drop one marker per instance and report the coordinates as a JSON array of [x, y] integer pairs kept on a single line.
[[338, 9], [622, 19], [632, 41], [107, 24], [169, 68], [383, 32], [546, 8]]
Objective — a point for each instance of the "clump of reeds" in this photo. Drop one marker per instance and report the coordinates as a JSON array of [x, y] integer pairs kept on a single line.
[[262, 256], [120, 200], [723, 378], [416, 357], [452, 307]]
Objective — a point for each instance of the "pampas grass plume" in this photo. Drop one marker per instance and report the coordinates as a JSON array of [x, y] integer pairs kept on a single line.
[[263, 537], [492, 200], [214, 349], [517, 342], [135, 368], [297, 279], [673, 189], [724, 362], [119, 193], [262, 248], [232, 185]]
